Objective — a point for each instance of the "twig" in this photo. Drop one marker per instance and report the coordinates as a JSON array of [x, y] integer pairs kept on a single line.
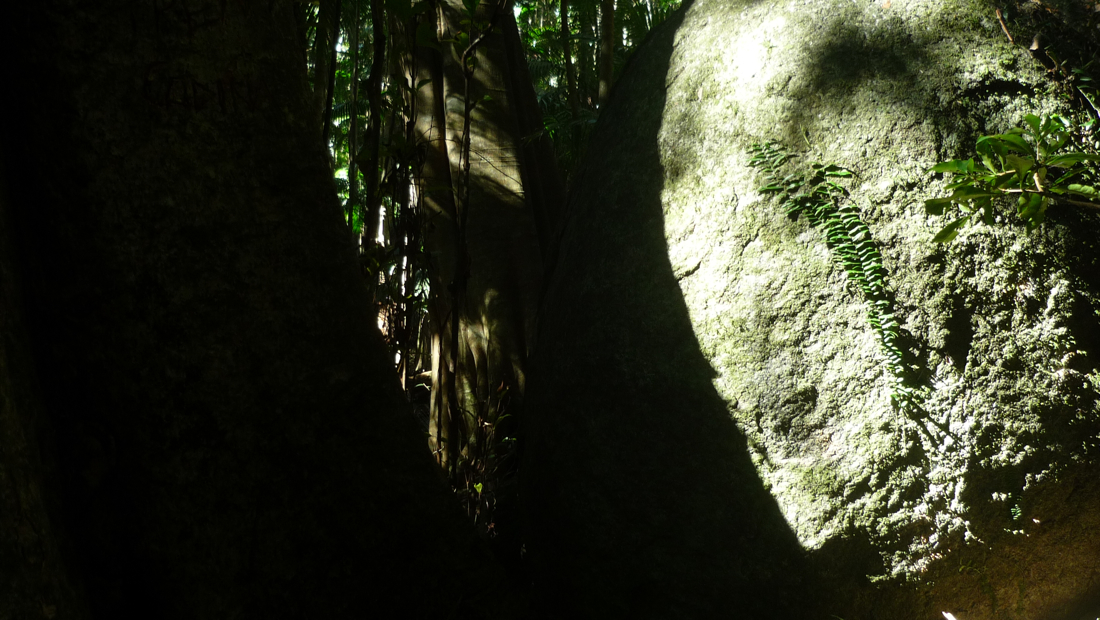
[[1001, 19], [1053, 196]]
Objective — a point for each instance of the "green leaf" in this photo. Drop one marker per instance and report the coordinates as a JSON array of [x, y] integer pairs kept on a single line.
[[1035, 123], [1055, 145], [969, 192], [1033, 210], [1003, 179], [1016, 142], [1069, 159], [1029, 204], [991, 146], [1087, 191], [1019, 164], [967, 181], [951, 230], [478, 487], [988, 162], [956, 166], [936, 206], [833, 170]]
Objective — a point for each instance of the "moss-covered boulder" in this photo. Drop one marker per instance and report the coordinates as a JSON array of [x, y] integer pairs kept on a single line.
[[681, 285]]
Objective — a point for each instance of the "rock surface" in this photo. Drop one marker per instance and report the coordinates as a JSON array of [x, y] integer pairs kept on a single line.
[[985, 503]]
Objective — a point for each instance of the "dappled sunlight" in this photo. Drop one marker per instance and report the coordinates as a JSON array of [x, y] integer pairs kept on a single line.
[[846, 347], [633, 457]]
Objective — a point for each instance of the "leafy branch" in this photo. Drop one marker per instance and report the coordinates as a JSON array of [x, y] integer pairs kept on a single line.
[[1035, 164]]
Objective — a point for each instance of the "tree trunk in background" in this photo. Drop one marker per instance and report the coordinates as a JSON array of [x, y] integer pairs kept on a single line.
[[514, 195], [330, 87], [324, 61], [543, 188], [436, 195], [622, 8], [353, 133], [588, 82], [567, 52], [232, 441], [710, 397], [368, 157], [607, 48]]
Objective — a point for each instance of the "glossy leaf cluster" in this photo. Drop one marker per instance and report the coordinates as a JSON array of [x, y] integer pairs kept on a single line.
[[1035, 164]]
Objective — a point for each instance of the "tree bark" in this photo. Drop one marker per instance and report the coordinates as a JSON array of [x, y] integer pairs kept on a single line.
[[489, 221], [330, 81], [324, 62], [567, 54], [369, 161], [502, 232], [232, 439], [587, 76], [353, 132], [607, 48]]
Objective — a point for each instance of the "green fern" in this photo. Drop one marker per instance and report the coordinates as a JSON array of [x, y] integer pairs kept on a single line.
[[819, 198]]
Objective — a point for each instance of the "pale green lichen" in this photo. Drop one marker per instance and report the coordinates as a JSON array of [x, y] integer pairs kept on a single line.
[[886, 93]]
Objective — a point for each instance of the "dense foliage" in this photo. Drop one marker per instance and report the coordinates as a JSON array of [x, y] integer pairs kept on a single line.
[[1047, 159]]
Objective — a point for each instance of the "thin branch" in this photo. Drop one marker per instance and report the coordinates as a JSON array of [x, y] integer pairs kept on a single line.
[[1053, 196], [1001, 19]]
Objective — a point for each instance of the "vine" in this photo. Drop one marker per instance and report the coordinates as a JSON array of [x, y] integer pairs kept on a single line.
[[819, 198]]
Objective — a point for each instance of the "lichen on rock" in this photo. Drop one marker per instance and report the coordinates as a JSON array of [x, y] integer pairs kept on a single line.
[[1003, 321]]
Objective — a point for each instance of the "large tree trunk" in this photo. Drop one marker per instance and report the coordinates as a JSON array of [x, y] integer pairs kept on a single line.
[[489, 227], [324, 63], [567, 55], [368, 156], [587, 79], [692, 331], [607, 48], [232, 440]]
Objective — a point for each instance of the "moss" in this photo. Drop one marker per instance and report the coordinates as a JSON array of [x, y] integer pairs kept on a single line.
[[885, 92]]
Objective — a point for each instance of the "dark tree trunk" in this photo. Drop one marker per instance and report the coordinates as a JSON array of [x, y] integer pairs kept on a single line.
[[324, 62], [232, 440], [607, 48], [486, 223], [368, 161], [587, 79], [330, 81], [353, 133], [567, 53]]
